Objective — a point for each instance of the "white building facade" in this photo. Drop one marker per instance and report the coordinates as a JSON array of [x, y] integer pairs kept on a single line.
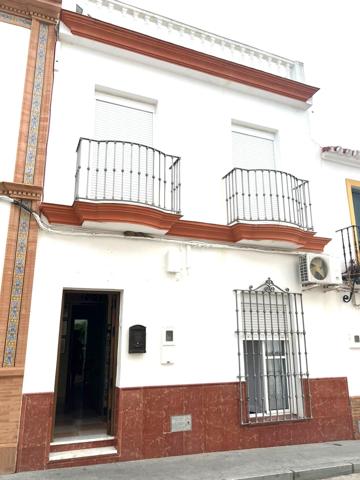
[[182, 191]]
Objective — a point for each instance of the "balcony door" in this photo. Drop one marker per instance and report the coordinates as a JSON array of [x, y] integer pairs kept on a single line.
[[353, 239], [124, 162], [253, 154], [356, 205]]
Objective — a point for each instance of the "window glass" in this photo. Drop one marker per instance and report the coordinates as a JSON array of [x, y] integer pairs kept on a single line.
[[356, 201]]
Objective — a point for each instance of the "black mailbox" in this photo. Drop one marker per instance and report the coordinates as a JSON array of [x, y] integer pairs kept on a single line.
[[137, 339]]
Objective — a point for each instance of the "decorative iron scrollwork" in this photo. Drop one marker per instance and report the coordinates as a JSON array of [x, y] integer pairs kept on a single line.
[[347, 298], [268, 286]]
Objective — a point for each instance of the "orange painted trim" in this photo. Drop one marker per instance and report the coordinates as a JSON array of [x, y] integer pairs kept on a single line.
[[201, 231], [80, 212], [44, 121], [20, 190], [46, 10], [60, 214], [116, 36], [111, 212], [283, 233], [12, 372]]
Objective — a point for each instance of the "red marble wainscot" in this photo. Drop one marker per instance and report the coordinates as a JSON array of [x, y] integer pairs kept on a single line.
[[215, 410], [35, 431], [143, 414], [130, 422]]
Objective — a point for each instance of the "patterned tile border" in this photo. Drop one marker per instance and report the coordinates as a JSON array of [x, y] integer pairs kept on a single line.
[[24, 223], [36, 105], [17, 288], [15, 20]]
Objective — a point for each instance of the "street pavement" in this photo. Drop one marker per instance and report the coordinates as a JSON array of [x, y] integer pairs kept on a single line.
[[297, 462], [353, 476]]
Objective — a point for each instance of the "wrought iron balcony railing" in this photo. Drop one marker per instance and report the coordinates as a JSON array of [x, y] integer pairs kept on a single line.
[[120, 171], [268, 196], [350, 239]]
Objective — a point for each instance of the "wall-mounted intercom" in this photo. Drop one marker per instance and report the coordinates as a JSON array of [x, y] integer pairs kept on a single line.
[[167, 346]]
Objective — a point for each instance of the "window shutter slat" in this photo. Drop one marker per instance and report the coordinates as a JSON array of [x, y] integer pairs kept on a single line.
[[251, 151], [119, 122], [262, 320]]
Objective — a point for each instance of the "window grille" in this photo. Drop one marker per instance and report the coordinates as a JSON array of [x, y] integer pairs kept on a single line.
[[272, 355]]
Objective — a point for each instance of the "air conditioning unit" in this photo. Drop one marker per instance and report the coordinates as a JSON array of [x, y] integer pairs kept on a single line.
[[319, 269]]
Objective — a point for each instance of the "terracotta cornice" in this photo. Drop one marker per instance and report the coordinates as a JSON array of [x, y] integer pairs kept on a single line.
[[113, 212], [254, 231], [305, 240], [46, 10], [81, 212], [60, 214], [201, 231], [120, 37], [21, 190]]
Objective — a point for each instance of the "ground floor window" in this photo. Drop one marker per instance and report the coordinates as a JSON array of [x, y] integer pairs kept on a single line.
[[273, 369]]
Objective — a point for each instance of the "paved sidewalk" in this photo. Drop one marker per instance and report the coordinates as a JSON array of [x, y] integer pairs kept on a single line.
[[297, 462]]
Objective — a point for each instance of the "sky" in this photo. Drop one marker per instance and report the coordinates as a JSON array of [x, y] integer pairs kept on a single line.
[[323, 34]]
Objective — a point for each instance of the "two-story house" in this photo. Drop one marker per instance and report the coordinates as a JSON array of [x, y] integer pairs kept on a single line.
[[182, 191]]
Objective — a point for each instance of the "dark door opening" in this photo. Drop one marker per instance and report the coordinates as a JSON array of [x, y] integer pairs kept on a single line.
[[86, 365]]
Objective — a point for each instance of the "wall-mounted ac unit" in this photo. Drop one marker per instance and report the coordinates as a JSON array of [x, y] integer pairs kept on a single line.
[[319, 269]]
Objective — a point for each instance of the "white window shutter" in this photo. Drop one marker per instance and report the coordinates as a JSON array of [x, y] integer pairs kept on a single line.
[[119, 122], [251, 151], [264, 321]]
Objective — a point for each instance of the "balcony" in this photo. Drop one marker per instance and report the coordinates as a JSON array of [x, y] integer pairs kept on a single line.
[[267, 196], [118, 171], [121, 186], [351, 253], [133, 188]]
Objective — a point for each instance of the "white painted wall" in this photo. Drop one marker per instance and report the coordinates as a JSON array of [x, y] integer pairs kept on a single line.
[[13, 58], [194, 123], [199, 303], [329, 324], [193, 120]]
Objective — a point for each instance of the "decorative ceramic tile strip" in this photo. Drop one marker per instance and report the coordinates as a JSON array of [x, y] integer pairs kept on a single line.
[[15, 20], [17, 288], [24, 223], [159, 26], [36, 105]]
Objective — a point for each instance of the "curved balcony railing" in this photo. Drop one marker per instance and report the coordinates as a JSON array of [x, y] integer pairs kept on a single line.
[[268, 196], [120, 171]]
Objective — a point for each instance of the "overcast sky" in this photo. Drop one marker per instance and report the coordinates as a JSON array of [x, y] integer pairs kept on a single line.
[[324, 34]]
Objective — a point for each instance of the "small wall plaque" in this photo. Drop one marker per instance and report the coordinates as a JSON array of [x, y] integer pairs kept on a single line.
[[180, 423]]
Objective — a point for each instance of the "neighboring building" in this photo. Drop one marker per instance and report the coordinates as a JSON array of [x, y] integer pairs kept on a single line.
[[27, 34], [182, 192]]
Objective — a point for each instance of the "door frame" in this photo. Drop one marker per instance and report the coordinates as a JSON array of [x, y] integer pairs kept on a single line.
[[114, 296]]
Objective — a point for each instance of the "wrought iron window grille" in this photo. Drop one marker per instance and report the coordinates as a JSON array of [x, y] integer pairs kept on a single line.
[[272, 355], [350, 239]]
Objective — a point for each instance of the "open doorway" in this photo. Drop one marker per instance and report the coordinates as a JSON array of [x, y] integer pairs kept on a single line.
[[86, 365]]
